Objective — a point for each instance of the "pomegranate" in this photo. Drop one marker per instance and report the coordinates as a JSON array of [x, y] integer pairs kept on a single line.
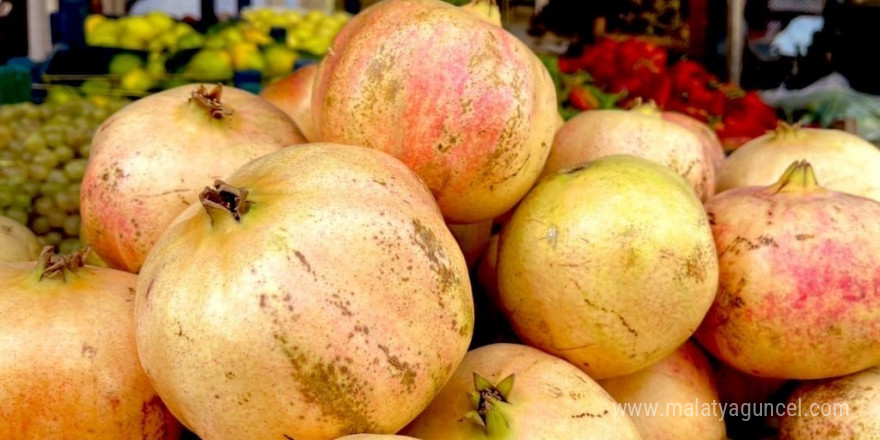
[[511, 391], [69, 367], [711, 144], [641, 131], [845, 407], [799, 290], [584, 275], [473, 239], [17, 242], [465, 104], [150, 159], [316, 294], [293, 95], [681, 389], [844, 161]]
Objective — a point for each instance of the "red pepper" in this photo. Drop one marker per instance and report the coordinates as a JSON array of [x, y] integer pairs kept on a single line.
[[581, 99]]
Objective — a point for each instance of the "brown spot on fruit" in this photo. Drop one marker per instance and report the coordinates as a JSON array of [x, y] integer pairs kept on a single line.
[[402, 370]]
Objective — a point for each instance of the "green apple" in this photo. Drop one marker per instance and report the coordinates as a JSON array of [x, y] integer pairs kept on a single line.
[[279, 60], [210, 65], [137, 81], [123, 63]]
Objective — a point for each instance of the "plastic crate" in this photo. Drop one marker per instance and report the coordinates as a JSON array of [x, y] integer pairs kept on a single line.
[[15, 85]]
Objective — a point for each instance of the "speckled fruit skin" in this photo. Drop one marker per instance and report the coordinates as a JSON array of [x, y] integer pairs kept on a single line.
[[551, 399], [462, 102], [682, 378], [799, 290], [711, 144], [610, 266], [150, 160], [293, 95], [641, 131], [17, 242], [848, 408], [69, 366], [340, 304], [843, 161]]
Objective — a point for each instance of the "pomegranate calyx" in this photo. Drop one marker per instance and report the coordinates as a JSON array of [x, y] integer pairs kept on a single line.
[[785, 130], [486, 10], [647, 108], [798, 177], [488, 401], [210, 101], [52, 265], [226, 198]]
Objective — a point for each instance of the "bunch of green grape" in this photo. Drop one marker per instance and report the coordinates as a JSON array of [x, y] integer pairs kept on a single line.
[[44, 150]]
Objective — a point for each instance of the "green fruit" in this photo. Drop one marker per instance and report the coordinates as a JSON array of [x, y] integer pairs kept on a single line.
[[279, 60], [124, 63], [138, 81], [210, 64], [192, 40]]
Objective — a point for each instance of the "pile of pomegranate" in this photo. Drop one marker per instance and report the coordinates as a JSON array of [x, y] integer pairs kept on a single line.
[[406, 241]]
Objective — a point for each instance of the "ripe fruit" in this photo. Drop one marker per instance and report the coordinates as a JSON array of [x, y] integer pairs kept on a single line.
[[641, 131], [150, 160], [681, 389], [293, 95], [17, 242], [610, 265], [515, 392], [317, 294], [462, 102], [799, 269], [844, 407], [844, 161], [69, 367]]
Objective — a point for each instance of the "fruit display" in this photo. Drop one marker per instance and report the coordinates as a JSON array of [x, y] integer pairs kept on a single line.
[[167, 52], [431, 232], [65, 374], [44, 151]]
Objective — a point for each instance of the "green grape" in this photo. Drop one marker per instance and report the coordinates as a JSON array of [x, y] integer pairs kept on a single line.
[[30, 111], [5, 199], [69, 245], [54, 138], [76, 168], [15, 175], [17, 214], [22, 201], [85, 150], [40, 225], [46, 158], [17, 146], [51, 188], [52, 238], [67, 202], [71, 226], [35, 142], [44, 205], [31, 188], [64, 153], [57, 176], [56, 218], [39, 172]]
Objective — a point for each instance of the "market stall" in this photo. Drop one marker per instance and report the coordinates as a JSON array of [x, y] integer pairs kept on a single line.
[[437, 219]]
